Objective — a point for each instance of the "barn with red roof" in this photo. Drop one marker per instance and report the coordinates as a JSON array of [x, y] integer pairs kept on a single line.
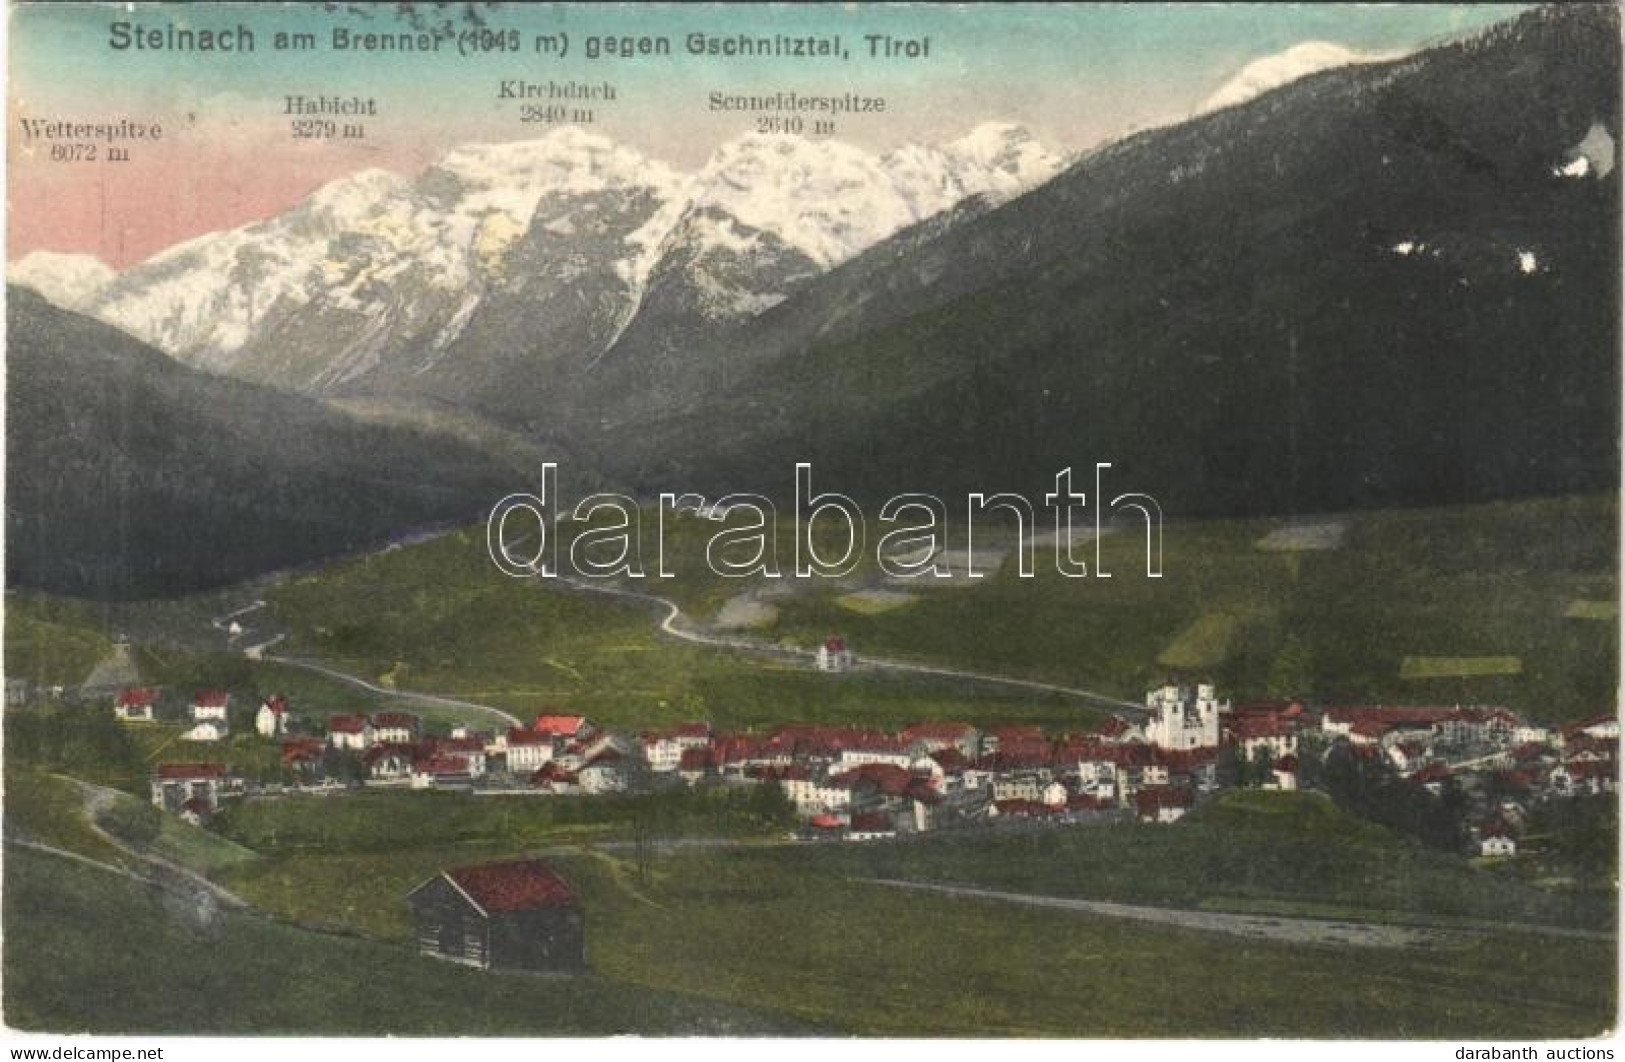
[[515, 915]]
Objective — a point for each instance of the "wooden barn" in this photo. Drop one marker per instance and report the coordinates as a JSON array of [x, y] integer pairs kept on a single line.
[[518, 915]]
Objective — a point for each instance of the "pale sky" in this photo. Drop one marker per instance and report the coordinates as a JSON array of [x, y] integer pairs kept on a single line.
[[1074, 74]]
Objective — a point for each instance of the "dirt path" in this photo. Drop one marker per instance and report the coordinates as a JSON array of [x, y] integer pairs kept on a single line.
[[1256, 927], [399, 694], [671, 625], [99, 799]]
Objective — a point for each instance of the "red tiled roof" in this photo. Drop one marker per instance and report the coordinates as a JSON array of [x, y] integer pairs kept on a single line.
[[808, 739], [395, 719], [276, 704], [558, 725], [210, 698], [950, 759], [441, 765], [1590, 721], [1263, 708], [694, 760], [1017, 732], [190, 770], [469, 746], [1022, 808], [379, 752], [521, 885], [949, 732], [889, 779], [137, 697], [1266, 726], [549, 773], [346, 724], [835, 643], [1184, 760], [520, 736], [302, 747]]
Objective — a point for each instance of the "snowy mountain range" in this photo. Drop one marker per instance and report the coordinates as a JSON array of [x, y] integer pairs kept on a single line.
[[1273, 71], [376, 281], [68, 280]]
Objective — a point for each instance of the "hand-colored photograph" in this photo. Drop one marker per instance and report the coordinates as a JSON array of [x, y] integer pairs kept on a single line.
[[1077, 521]]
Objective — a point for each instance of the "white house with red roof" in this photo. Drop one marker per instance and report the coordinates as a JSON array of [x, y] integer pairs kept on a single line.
[[554, 778], [397, 728], [353, 732], [923, 739], [210, 705], [1597, 727], [526, 750], [174, 784], [439, 770], [1163, 803], [663, 750], [834, 655], [1271, 734], [814, 792], [389, 763], [135, 704], [272, 719], [470, 749]]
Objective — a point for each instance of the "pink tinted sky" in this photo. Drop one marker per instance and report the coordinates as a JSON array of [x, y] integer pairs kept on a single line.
[[1072, 75], [162, 196]]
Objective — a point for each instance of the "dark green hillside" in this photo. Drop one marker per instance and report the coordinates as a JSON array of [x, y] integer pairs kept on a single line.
[[130, 475], [177, 970], [1223, 308]]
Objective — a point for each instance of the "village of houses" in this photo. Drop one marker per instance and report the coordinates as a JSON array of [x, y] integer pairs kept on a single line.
[[865, 784]]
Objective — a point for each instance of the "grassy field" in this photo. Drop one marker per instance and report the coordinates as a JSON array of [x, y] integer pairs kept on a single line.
[[49, 809], [52, 641], [1484, 582], [1245, 851], [1463, 586], [440, 617], [710, 939], [788, 929], [1427, 667], [88, 951], [876, 961]]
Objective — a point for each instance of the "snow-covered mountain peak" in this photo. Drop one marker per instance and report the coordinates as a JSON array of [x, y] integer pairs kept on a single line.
[[68, 280], [1273, 71], [1004, 146], [384, 272], [567, 159]]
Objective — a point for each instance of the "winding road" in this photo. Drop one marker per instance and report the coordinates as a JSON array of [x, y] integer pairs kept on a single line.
[[669, 624], [258, 652], [406, 695]]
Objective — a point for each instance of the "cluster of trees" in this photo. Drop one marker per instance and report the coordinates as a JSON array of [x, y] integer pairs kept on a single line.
[[1245, 772], [90, 744], [1369, 789]]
